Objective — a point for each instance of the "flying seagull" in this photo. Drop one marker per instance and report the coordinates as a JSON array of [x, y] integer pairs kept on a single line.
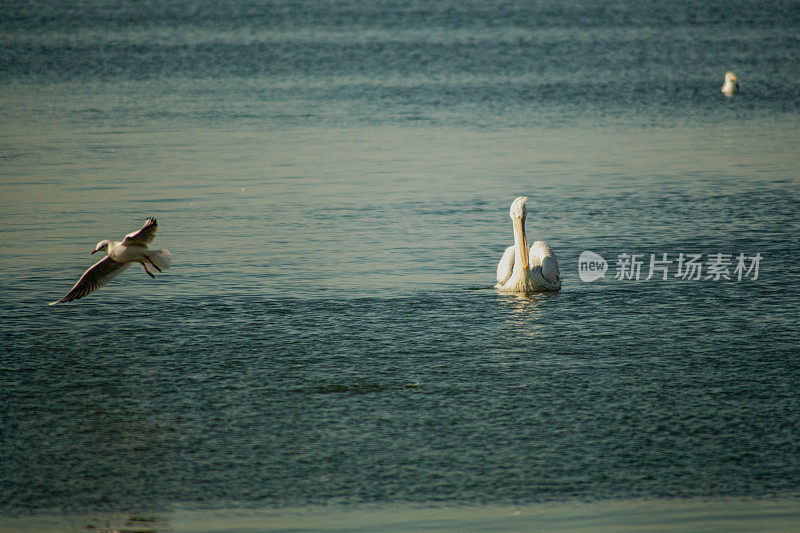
[[120, 255]]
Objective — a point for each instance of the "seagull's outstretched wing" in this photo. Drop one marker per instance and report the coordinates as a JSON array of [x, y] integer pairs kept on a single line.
[[144, 236], [94, 278]]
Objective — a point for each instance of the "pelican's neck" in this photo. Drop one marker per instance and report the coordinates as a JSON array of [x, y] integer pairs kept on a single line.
[[520, 280], [520, 244]]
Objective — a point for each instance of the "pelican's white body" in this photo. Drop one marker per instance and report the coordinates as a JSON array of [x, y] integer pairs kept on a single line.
[[522, 270]]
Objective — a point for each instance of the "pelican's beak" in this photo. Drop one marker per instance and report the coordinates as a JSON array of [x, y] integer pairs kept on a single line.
[[519, 226]]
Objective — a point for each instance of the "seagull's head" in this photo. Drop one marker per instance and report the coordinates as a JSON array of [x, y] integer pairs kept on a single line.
[[730, 76], [518, 214], [102, 246]]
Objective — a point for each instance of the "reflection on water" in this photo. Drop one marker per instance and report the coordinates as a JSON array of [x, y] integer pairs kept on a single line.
[[524, 313]]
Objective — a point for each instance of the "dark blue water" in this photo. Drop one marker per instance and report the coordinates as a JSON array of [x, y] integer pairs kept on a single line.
[[333, 180], [436, 398], [513, 63]]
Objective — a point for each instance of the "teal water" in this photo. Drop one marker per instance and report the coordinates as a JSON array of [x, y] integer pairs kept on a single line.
[[333, 182]]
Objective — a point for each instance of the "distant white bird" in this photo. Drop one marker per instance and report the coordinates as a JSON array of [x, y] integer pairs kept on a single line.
[[120, 255], [520, 270], [731, 86]]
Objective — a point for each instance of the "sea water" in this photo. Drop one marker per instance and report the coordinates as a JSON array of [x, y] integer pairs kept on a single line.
[[333, 181]]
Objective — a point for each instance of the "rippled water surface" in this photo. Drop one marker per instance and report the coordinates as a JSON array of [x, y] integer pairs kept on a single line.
[[333, 182]]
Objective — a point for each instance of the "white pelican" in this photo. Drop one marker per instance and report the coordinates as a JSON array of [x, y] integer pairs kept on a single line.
[[120, 255], [731, 86], [520, 270]]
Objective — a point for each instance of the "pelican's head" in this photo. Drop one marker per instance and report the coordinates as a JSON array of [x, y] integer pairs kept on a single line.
[[730, 77], [102, 246], [518, 208], [518, 214]]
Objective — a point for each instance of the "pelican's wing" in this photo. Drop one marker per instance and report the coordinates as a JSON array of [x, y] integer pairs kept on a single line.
[[550, 269], [541, 283], [144, 236], [506, 266], [543, 256], [94, 278]]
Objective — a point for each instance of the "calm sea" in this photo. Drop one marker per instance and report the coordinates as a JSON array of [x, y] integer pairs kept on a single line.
[[333, 181]]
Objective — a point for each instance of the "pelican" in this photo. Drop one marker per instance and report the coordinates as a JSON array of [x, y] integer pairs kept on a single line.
[[520, 270], [119, 256], [731, 86]]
